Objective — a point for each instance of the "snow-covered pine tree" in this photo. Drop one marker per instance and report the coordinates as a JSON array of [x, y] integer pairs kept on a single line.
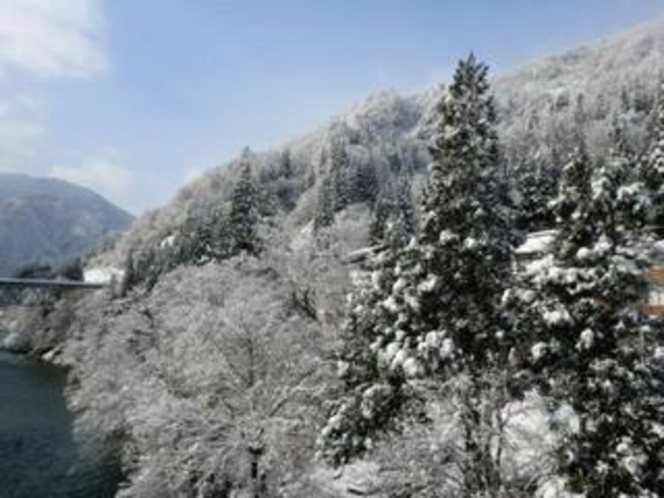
[[366, 184], [394, 208], [435, 313], [574, 200], [595, 346], [375, 399], [537, 187], [220, 236], [536, 182], [193, 239], [622, 148], [405, 219], [243, 217], [286, 168], [467, 235], [643, 98], [382, 210], [340, 174], [652, 164], [625, 100], [325, 203]]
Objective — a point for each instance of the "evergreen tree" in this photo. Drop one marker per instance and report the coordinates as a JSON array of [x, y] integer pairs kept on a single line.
[[286, 168], [218, 247], [405, 220], [375, 398], [467, 234], [643, 101], [325, 204], [366, 184], [203, 236], [193, 239], [537, 185], [339, 172], [625, 101], [243, 217], [622, 148], [574, 200], [595, 348], [536, 182], [246, 154], [394, 209], [652, 164], [383, 209], [580, 113], [286, 194], [434, 314]]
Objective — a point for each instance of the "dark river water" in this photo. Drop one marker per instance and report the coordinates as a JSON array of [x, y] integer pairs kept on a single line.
[[38, 455]]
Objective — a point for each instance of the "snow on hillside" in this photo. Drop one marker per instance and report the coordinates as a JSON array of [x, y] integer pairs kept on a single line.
[[544, 91], [590, 85], [595, 68]]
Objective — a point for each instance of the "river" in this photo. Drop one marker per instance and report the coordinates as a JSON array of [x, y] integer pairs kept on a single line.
[[38, 455]]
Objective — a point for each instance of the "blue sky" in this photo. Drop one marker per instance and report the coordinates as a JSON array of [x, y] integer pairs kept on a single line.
[[135, 97]]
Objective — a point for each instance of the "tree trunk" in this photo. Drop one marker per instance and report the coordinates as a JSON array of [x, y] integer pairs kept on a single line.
[[257, 484]]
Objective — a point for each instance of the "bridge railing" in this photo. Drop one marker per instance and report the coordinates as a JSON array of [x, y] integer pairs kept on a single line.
[[33, 292]]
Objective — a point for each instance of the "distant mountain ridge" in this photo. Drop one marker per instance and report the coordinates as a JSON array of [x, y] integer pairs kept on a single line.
[[45, 220]]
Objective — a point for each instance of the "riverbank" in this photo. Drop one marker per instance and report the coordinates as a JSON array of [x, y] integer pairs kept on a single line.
[[38, 331], [41, 454]]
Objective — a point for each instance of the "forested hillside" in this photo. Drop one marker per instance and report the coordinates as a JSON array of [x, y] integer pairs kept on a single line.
[[229, 357]]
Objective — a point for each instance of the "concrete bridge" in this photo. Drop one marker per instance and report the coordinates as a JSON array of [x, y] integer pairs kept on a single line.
[[33, 292]]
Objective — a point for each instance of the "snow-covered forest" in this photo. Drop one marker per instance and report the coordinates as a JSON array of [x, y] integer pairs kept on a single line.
[[348, 315]]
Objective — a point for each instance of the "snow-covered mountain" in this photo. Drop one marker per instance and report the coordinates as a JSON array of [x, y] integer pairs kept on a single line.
[[587, 87], [605, 67], [592, 85], [43, 220]]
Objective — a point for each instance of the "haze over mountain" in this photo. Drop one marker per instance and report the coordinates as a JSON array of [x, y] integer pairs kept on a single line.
[[45, 220]]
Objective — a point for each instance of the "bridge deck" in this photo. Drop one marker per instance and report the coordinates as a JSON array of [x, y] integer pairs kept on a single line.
[[52, 284]]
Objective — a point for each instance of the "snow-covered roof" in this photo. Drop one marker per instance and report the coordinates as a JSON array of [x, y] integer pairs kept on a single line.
[[102, 275], [537, 243]]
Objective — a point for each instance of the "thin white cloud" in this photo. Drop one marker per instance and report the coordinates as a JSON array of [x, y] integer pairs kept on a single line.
[[17, 145], [52, 38], [21, 131], [101, 174]]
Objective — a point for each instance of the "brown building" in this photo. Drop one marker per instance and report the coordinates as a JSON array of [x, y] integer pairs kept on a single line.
[[655, 276]]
